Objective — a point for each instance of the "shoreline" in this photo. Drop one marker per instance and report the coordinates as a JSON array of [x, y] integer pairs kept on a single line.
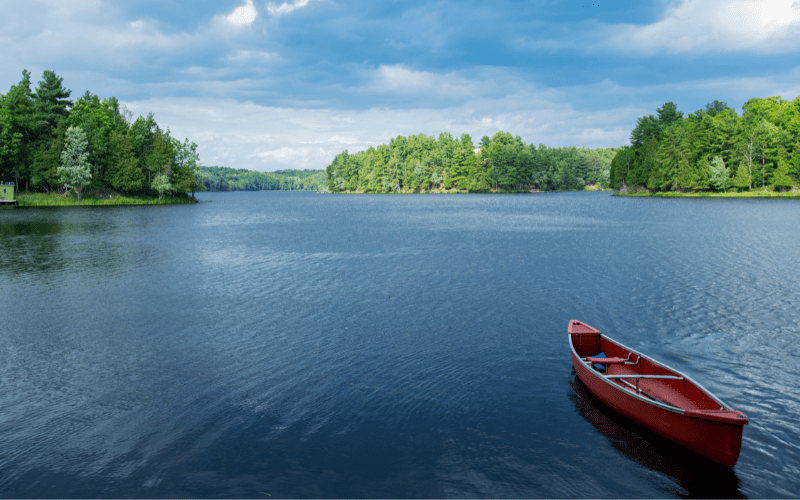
[[464, 191], [747, 194], [28, 200]]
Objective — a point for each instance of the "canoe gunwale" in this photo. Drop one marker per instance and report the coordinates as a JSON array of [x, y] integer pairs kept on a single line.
[[690, 379], [616, 387], [642, 398], [715, 434]]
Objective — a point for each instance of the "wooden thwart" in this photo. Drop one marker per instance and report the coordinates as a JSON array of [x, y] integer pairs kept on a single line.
[[669, 377]]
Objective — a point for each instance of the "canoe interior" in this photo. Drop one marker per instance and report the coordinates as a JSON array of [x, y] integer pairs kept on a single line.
[[683, 394]]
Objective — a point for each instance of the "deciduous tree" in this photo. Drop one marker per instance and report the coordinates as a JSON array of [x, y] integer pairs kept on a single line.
[[74, 173]]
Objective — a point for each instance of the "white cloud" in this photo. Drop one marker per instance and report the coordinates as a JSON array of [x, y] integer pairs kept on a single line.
[[759, 26], [602, 114], [248, 135], [285, 7], [282, 153], [402, 80], [244, 14], [252, 56]]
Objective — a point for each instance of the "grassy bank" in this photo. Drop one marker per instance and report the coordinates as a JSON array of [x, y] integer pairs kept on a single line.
[[91, 199], [760, 193]]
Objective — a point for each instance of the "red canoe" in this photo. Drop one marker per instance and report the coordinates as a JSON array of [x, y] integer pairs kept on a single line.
[[656, 396]]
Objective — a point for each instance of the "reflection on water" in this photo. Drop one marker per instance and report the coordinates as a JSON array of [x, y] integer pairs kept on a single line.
[[694, 475], [307, 345], [44, 242]]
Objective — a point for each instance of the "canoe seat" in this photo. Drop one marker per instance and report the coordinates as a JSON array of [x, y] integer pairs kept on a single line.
[[600, 360], [606, 361]]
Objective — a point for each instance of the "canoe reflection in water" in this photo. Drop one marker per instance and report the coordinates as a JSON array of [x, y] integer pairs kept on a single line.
[[696, 475]]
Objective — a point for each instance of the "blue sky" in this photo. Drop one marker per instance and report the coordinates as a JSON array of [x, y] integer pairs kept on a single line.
[[269, 85]]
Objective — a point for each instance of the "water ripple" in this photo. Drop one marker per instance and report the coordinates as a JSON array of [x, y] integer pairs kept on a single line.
[[305, 345]]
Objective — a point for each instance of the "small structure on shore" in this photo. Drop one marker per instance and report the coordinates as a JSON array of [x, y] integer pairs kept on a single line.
[[7, 193]]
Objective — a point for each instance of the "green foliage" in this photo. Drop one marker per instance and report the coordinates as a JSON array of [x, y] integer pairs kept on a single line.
[[671, 153], [781, 180], [100, 119], [10, 144], [184, 175], [162, 185], [32, 138], [162, 155], [48, 158], [50, 102], [720, 179], [124, 173], [231, 179], [716, 107], [74, 173], [19, 129], [742, 179], [503, 162]]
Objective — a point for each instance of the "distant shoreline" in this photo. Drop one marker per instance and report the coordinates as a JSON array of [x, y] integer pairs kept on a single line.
[[464, 191], [746, 194]]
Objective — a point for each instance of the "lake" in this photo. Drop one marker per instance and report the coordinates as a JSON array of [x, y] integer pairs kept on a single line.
[[291, 344]]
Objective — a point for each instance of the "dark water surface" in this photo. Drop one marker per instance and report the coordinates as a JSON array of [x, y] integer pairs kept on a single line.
[[273, 345]]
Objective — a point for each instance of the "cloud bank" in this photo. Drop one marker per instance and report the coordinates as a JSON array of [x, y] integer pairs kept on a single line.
[[258, 86], [714, 26]]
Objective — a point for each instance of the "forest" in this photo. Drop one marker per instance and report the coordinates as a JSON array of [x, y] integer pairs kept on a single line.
[[50, 143], [713, 149], [238, 179], [422, 163]]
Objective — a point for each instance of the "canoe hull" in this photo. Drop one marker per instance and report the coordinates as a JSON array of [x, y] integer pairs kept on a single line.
[[720, 441]]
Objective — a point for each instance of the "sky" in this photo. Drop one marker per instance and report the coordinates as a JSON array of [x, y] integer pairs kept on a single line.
[[266, 85]]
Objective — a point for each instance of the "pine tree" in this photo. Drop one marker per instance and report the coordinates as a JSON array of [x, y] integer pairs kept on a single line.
[[51, 102], [671, 163], [123, 172], [48, 158], [781, 177]]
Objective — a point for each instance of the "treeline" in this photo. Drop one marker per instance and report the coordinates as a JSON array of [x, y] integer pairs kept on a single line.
[[48, 142], [501, 162], [713, 149], [232, 179]]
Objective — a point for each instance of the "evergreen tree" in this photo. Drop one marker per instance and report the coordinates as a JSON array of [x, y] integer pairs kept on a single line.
[[10, 144], [781, 178], [48, 158], [19, 129], [672, 165], [647, 128], [668, 114], [123, 172], [716, 107], [51, 102]]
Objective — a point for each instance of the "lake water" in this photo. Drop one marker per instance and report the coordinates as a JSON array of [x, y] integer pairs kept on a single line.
[[272, 344]]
